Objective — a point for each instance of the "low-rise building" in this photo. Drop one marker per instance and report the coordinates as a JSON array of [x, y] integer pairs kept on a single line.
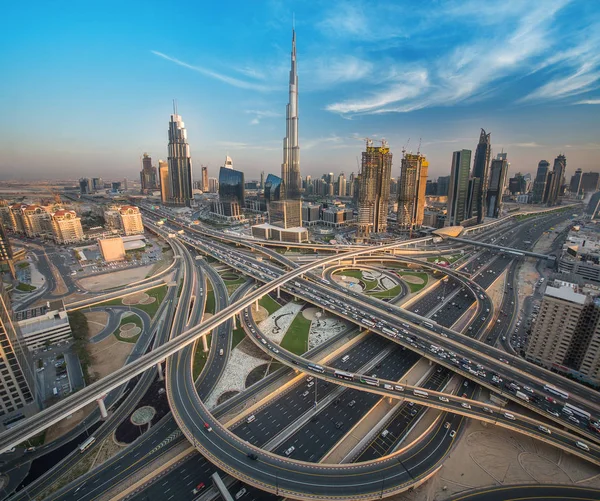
[[66, 227], [44, 325], [131, 220], [268, 231], [112, 249]]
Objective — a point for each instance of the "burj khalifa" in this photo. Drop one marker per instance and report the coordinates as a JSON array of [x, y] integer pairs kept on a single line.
[[290, 168]]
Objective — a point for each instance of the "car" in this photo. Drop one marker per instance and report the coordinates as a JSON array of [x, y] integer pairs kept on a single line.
[[465, 405], [311, 384], [411, 404], [452, 433], [309, 379], [289, 450], [574, 419], [339, 424], [444, 399], [240, 493], [198, 488], [447, 424], [413, 412], [488, 410], [544, 429], [508, 415], [305, 393], [207, 427], [466, 383], [583, 446], [352, 403]]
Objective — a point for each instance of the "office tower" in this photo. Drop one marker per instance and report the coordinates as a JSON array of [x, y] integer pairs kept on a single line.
[[180, 163], [228, 163], [411, 191], [575, 184], [593, 206], [474, 184], [163, 174], [526, 178], [85, 186], [341, 185], [566, 333], [116, 186], [430, 188], [231, 193], [147, 174], [330, 189], [131, 220], [204, 181], [458, 189], [498, 170], [556, 186], [273, 188], [66, 227], [6, 253], [17, 380], [443, 182], [540, 182], [213, 185], [374, 188], [517, 184], [310, 214], [262, 180], [290, 168], [285, 213], [480, 171], [589, 182], [97, 184], [350, 185]]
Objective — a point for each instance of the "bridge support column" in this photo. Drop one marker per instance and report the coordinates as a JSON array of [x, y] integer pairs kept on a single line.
[[234, 322], [204, 344], [354, 261], [256, 305], [161, 376], [103, 412], [278, 292]]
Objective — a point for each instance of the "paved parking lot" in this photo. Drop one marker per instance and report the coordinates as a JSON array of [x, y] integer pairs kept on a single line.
[[60, 365]]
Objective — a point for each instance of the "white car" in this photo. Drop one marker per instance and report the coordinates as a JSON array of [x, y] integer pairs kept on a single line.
[[240, 493]]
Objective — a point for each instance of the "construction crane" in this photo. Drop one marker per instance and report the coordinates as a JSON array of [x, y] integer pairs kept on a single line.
[[419, 148], [368, 140], [405, 146]]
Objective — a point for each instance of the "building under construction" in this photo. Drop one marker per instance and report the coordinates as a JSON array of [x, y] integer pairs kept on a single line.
[[374, 188], [411, 191]]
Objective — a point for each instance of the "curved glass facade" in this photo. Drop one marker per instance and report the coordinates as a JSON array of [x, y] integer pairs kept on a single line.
[[231, 185], [272, 188]]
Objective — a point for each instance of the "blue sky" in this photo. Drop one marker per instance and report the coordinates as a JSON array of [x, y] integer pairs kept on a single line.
[[87, 86]]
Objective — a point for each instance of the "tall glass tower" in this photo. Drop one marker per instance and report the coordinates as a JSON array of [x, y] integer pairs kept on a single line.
[[480, 171], [290, 168], [180, 163]]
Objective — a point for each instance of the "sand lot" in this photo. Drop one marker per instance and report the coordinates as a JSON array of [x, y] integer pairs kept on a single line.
[[115, 279]]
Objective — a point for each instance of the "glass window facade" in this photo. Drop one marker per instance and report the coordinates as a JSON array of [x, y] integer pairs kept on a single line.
[[273, 188], [231, 185]]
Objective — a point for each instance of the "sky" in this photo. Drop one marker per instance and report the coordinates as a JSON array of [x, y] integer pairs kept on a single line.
[[87, 87]]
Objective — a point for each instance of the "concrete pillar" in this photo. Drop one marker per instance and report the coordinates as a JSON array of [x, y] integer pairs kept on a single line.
[[234, 322], [204, 344], [256, 305], [278, 292], [102, 407], [161, 376], [354, 261]]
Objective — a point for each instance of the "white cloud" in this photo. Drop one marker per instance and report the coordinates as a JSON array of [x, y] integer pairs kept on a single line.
[[527, 145], [589, 101], [260, 114], [213, 74]]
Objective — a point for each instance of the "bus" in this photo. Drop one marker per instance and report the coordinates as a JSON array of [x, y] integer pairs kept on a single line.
[[555, 391], [85, 445], [578, 412], [429, 325], [344, 375], [367, 322], [316, 368], [420, 393], [389, 332], [369, 380]]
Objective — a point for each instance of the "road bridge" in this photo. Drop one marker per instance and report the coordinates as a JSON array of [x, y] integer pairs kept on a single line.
[[501, 248]]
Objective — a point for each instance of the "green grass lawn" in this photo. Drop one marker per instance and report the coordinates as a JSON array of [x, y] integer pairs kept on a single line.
[[296, 337], [416, 287], [393, 292], [200, 357], [210, 302], [129, 319], [269, 304], [238, 337], [159, 293], [25, 287], [23, 265]]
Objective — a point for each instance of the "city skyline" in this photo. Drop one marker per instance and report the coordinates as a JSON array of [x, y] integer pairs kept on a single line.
[[393, 85]]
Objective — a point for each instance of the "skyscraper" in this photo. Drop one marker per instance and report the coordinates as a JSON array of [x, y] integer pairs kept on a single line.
[[443, 182], [17, 382], [262, 180], [589, 183], [558, 176], [539, 184], [204, 179], [180, 163], [228, 163], [341, 185], [6, 253], [498, 171], [374, 188], [231, 193], [147, 174], [85, 186], [458, 189], [163, 174], [575, 183], [290, 168], [411, 191], [480, 171]]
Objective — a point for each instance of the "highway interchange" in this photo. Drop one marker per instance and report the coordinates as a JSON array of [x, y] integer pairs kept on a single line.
[[390, 368]]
